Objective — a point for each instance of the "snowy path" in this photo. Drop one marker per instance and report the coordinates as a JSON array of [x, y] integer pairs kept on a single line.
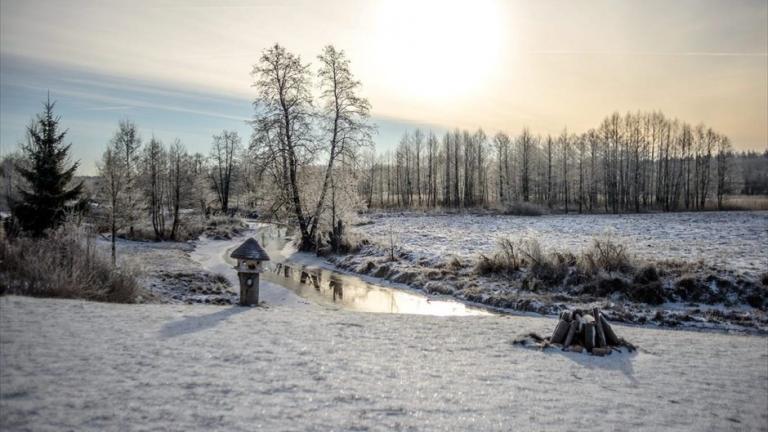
[[210, 254], [74, 365]]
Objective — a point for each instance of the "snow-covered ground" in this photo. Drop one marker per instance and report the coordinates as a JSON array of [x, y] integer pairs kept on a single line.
[[74, 365], [295, 364], [732, 240]]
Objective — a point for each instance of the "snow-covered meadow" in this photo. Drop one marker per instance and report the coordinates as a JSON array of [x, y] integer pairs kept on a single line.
[[731, 240], [75, 365]]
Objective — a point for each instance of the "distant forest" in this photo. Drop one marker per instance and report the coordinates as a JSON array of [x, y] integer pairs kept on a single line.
[[630, 163]]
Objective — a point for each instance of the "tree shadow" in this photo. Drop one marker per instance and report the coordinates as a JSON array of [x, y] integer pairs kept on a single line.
[[192, 324], [619, 361]]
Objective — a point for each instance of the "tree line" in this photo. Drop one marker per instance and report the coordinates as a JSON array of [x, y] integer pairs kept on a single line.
[[160, 184], [300, 165], [630, 163]]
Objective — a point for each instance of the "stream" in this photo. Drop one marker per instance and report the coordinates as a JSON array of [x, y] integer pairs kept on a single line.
[[303, 280]]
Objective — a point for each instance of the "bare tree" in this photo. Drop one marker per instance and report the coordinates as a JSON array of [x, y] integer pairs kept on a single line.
[[155, 165], [549, 171], [284, 136], [200, 182], [565, 146], [417, 139], [180, 182], [345, 117], [113, 172], [11, 179], [723, 159], [525, 143], [431, 169], [447, 170], [128, 141], [224, 151], [581, 149], [282, 126], [502, 141]]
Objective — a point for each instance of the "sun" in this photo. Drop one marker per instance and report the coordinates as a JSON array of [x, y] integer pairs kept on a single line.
[[438, 50]]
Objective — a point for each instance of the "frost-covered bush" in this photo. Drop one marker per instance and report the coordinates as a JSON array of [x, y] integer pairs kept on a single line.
[[66, 264], [512, 256], [551, 268], [487, 265], [509, 254], [454, 263], [508, 257], [606, 254]]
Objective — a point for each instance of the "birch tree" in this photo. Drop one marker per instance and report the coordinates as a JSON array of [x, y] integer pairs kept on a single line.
[[345, 117], [128, 141], [155, 166], [114, 174]]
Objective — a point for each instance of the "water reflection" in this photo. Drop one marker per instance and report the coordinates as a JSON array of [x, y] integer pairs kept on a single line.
[[328, 287], [334, 288]]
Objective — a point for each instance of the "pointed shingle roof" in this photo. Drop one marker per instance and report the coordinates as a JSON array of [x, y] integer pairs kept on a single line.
[[250, 250]]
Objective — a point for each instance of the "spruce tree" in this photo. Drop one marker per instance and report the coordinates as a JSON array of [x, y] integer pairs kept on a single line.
[[42, 204]]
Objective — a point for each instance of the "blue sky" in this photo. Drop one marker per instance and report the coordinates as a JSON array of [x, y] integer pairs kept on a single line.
[[92, 104]]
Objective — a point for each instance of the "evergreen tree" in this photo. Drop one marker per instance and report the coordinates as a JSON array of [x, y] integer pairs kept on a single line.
[[42, 205]]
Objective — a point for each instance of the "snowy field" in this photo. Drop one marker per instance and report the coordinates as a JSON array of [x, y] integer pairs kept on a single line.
[[73, 365], [732, 240]]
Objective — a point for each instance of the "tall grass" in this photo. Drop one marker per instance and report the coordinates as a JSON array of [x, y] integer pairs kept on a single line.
[[67, 264], [605, 254]]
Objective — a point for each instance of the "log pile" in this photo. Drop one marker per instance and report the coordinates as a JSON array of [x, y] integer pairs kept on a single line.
[[582, 330]]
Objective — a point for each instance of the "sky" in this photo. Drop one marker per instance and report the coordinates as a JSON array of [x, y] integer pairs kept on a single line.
[[181, 69]]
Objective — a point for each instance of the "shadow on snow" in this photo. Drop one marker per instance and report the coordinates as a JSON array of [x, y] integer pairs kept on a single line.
[[191, 324], [617, 361]]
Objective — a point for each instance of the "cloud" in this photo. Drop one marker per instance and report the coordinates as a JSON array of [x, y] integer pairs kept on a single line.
[[650, 53], [109, 108]]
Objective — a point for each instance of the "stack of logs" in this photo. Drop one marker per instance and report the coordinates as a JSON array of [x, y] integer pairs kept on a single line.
[[580, 330]]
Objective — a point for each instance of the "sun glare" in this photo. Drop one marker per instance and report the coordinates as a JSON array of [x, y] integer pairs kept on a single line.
[[438, 49]]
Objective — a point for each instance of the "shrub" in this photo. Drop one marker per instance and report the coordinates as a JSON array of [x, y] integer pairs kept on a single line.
[[486, 265], [647, 274], [66, 264], [651, 293], [509, 254], [189, 229], [531, 250], [454, 263], [608, 255], [351, 242], [506, 259], [224, 227]]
